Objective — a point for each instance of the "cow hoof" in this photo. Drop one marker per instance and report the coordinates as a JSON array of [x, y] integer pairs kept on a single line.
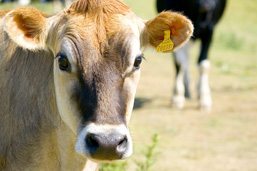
[[205, 108], [206, 104], [178, 102]]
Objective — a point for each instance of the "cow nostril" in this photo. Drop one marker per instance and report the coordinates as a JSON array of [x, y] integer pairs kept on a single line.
[[122, 145], [92, 143]]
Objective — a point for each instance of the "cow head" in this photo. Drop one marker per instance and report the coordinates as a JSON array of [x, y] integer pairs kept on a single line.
[[96, 46]]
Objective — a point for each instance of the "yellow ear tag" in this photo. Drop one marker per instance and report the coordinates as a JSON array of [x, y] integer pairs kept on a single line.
[[166, 44]]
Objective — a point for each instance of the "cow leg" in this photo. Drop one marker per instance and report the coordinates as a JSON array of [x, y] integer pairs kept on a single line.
[[24, 2], [204, 93], [181, 87], [67, 3], [58, 5]]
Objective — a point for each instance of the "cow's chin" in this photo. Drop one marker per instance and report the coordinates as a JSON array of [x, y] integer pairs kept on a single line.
[[104, 143], [104, 161]]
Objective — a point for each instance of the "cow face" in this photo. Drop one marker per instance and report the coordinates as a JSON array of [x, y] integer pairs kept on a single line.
[[97, 61], [95, 86]]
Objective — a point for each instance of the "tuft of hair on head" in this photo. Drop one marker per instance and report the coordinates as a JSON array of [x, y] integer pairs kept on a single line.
[[99, 12], [98, 6]]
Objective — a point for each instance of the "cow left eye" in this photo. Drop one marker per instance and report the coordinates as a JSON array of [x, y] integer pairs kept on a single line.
[[138, 61], [63, 62]]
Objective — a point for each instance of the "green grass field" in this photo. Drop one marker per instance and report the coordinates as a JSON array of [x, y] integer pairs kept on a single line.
[[224, 139]]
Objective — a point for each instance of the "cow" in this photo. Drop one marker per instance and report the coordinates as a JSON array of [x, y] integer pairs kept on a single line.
[[68, 81], [204, 15]]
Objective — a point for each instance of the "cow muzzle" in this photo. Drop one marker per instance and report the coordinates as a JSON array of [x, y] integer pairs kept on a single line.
[[104, 142]]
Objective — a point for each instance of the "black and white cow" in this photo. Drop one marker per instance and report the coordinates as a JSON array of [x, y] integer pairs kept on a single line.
[[204, 14]]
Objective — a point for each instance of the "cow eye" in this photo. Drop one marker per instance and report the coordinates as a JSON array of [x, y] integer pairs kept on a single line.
[[63, 62], [138, 61]]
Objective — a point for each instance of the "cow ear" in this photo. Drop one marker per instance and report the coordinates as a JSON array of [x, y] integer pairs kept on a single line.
[[178, 27], [26, 27]]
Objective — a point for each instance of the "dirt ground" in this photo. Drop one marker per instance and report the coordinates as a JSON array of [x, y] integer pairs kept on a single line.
[[190, 139]]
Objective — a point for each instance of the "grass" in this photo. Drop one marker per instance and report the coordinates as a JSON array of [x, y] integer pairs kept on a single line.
[[47, 8], [224, 139], [150, 156]]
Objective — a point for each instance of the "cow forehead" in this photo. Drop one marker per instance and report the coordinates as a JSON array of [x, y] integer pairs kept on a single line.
[[99, 31], [115, 36], [97, 20]]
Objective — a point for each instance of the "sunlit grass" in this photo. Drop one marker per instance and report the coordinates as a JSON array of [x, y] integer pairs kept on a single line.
[[46, 7]]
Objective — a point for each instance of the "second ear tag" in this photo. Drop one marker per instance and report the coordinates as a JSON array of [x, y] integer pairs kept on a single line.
[[166, 44]]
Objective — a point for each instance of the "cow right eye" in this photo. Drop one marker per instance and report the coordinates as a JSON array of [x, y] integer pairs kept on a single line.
[[138, 61], [63, 61]]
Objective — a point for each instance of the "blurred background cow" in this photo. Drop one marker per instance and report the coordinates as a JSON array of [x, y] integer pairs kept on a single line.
[[204, 14]]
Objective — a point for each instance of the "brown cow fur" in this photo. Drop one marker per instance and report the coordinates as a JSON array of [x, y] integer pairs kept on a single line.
[[33, 133]]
